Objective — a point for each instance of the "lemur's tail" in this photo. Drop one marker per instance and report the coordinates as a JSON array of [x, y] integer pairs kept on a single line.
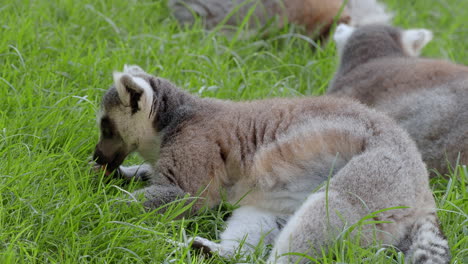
[[426, 244], [365, 12]]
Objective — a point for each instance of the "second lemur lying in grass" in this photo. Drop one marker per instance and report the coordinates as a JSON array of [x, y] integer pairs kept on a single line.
[[380, 67], [316, 16], [270, 156]]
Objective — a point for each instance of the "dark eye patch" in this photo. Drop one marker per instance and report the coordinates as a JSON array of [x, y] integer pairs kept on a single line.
[[107, 127]]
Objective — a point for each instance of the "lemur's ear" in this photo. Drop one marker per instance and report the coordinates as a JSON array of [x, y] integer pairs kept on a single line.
[[133, 69], [414, 40], [132, 90], [341, 36]]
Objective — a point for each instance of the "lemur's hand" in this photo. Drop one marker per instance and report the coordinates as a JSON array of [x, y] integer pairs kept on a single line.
[[98, 168], [139, 172], [142, 172]]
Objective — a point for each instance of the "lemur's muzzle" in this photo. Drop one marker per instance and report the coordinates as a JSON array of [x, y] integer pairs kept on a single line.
[[111, 160]]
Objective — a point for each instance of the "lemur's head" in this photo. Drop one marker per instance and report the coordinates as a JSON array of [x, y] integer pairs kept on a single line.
[[374, 41], [126, 117]]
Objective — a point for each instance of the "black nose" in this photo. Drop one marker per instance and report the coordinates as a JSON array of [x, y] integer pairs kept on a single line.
[[99, 157]]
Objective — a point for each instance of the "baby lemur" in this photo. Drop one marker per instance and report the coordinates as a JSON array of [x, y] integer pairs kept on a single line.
[[380, 67], [273, 157]]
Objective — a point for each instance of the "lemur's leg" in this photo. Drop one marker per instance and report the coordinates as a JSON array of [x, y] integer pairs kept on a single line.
[[245, 230], [313, 226], [156, 196], [138, 172]]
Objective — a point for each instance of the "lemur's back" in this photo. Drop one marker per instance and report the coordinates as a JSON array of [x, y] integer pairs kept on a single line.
[[437, 119], [426, 96], [297, 144], [382, 79]]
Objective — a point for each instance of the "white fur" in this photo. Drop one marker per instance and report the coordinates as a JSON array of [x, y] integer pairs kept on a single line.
[[136, 171], [137, 132], [341, 36], [147, 99], [247, 226], [368, 12], [414, 40], [137, 129], [133, 69], [123, 94], [143, 86]]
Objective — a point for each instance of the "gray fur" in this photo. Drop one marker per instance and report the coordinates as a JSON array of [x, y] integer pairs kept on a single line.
[[426, 96], [425, 242], [269, 156]]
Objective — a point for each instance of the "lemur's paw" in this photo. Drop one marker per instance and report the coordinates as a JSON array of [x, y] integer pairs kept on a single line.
[[95, 168], [143, 176], [205, 245], [138, 172], [98, 168]]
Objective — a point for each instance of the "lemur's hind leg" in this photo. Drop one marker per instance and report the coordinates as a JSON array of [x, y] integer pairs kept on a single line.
[[313, 226], [246, 228]]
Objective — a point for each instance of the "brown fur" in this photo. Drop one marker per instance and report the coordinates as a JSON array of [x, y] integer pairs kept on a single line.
[[317, 16], [221, 154]]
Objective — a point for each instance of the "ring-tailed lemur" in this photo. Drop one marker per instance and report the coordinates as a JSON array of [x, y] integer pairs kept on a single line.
[[270, 156], [317, 16], [380, 67]]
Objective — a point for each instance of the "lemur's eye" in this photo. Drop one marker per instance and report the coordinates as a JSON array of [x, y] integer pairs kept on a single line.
[[107, 127], [107, 133]]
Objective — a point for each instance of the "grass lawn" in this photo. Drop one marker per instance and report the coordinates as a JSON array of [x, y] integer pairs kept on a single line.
[[56, 60]]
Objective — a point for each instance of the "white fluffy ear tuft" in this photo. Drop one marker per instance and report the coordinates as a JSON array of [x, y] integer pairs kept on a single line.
[[124, 95], [341, 36], [133, 91], [414, 40], [133, 69]]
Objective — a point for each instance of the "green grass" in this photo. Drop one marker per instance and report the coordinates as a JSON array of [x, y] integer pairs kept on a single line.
[[56, 59]]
